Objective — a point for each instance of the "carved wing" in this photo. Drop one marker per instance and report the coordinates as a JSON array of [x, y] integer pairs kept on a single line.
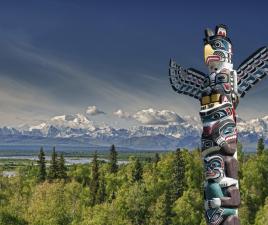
[[252, 70], [189, 82]]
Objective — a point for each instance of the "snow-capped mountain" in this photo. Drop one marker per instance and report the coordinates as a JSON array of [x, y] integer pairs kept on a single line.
[[259, 126], [64, 125], [79, 129]]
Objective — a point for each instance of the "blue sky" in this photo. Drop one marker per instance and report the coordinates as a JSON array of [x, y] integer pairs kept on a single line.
[[59, 57]]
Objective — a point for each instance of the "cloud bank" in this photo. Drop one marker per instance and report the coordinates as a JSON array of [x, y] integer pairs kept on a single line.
[[156, 117], [122, 114], [93, 111]]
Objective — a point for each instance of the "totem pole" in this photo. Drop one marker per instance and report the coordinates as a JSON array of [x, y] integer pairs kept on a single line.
[[219, 93]]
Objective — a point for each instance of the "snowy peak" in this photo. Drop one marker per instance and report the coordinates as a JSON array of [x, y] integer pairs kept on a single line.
[[37, 127], [79, 124], [77, 121], [153, 133], [62, 126], [258, 125]]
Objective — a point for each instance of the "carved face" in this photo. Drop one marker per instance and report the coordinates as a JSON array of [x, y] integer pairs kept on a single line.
[[217, 49], [212, 117], [228, 132], [214, 167]]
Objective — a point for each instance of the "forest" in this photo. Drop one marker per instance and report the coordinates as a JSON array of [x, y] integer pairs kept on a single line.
[[161, 190]]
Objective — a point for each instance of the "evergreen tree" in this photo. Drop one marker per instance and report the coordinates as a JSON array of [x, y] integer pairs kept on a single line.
[[113, 195], [53, 169], [178, 176], [62, 169], [241, 158], [167, 207], [113, 160], [102, 190], [42, 174], [260, 146], [137, 171], [156, 158], [95, 183], [240, 153]]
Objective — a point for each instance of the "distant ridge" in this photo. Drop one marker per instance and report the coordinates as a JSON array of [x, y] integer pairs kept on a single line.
[[79, 130]]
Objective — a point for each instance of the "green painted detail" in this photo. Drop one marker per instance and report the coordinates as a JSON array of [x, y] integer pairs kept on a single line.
[[213, 190]]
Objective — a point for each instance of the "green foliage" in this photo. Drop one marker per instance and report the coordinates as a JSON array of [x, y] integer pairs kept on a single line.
[[81, 174], [193, 170], [164, 191], [61, 168], [95, 182], [178, 176], [53, 169], [101, 194], [189, 208], [42, 174], [241, 159], [260, 146], [104, 214], [113, 160], [156, 158], [262, 215], [6, 218], [254, 186], [133, 202], [57, 169], [49, 206], [137, 171], [161, 212]]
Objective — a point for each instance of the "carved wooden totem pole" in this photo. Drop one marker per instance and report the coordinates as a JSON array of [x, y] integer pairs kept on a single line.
[[219, 93]]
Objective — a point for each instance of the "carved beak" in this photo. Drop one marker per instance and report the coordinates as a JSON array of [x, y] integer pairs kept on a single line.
[[209, 54]]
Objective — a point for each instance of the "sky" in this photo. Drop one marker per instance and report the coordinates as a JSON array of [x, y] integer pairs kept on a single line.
[[61, 57]]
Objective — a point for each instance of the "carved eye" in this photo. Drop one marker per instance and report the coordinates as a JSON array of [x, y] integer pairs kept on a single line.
[[217, 115], [218, 44], [213, 165], [228, 130]]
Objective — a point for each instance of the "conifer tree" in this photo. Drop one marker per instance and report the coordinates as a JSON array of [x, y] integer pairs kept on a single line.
[[113, 160], [156, 158], [178, 177], [113, 196], [241, 158], [42, 174], [53, 169], [240, 153], [260, 146], [62, 169], [102, 190], [167, 207], [137, 171], [95, 183]]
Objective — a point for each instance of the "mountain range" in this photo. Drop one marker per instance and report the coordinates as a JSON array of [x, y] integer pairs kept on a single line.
[[78, 129]]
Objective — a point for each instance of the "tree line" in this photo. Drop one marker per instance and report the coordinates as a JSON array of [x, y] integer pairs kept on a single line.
[[166, 190]]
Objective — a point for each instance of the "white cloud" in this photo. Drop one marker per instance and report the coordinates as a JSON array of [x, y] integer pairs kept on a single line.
[[93, 111], [122, 114], [156, 117]]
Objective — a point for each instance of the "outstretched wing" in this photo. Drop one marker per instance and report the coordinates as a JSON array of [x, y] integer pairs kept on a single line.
[[189, 82], [252, 70]]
